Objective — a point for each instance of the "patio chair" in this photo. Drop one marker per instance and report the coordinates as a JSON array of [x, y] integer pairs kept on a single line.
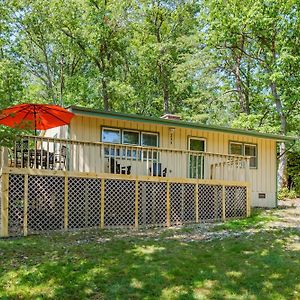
[[116, 168], [61, 157], [21, 153], [157, 170]]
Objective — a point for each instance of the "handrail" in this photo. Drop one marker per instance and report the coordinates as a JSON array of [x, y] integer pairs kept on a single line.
[[66, 141], [37, 152]]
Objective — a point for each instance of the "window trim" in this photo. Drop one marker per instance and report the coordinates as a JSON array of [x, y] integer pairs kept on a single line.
[[129, 130], [236, 143], [245, 144], [149, 132], [112, 129], [196, 138], [120, 129], [256, 152]]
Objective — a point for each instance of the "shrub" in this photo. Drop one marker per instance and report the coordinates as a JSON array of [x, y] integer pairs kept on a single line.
[[285, 193]]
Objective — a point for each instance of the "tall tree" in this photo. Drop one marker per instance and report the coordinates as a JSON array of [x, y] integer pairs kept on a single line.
[[161, 32]]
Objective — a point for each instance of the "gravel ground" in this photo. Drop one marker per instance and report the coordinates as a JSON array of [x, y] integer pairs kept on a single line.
[[289, 203], [286, 216]]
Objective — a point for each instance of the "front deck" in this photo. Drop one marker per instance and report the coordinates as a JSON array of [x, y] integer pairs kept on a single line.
[[55, 184]]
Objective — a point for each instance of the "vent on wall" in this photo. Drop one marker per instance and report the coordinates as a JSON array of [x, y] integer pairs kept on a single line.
[[261, 196]]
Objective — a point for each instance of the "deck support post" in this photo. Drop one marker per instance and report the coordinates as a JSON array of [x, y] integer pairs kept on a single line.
[[168, 205], [136, 219], [66, 203], [197, 202], [102, 203], [223, 203], [25, 219], [4, 205], [3, 157], [248, 201]]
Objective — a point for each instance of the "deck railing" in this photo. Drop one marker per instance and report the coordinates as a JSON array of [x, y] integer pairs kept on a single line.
[[97, 157]]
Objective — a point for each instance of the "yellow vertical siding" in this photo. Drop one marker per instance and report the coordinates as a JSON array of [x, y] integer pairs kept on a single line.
[[262, 179]]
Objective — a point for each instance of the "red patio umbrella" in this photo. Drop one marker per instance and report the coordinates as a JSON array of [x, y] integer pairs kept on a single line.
[[35, 116]]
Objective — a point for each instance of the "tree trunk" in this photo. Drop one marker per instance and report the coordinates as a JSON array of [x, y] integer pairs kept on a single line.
[[62, 65], [166, 97], [244, 104], [105, 94], [282, 166]]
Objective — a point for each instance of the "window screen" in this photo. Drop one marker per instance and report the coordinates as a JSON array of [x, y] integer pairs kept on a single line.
[[149, 140], [250, 150], [111, 136], [236, 148], [131, 137]]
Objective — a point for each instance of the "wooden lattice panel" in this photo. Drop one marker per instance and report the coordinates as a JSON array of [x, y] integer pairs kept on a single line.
[[119, 209], [16, 204], [182, 203], [45, 203], [235, 203], [152, 203], [210, 202], [84, 202]]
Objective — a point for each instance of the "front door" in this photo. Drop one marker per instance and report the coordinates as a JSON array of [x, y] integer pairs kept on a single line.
[[196, 161]]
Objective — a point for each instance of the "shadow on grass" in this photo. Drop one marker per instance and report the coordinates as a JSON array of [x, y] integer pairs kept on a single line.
[[258, 266]]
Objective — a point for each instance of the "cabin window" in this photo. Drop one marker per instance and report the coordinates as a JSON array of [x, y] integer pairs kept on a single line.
[[149, 139], [236, 148], [246, 150], [131, 137], [250, 150], [110, 135], [197, 144]]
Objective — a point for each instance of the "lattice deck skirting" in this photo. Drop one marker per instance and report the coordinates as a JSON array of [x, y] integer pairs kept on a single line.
[[34, 201]]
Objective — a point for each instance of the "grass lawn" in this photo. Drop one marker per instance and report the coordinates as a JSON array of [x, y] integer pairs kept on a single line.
[[256, 264]]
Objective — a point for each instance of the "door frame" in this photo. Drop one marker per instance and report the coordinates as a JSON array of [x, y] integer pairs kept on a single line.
[[189, 155]]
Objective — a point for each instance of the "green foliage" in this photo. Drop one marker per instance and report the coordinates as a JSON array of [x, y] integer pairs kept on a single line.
[[294, 169], [285, 194], [253, 122]]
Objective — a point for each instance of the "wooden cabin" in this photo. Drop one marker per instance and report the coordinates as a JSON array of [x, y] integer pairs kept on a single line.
[[111, 169]]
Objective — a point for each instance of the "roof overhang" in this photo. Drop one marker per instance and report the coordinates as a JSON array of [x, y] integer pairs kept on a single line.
[[175, 123]]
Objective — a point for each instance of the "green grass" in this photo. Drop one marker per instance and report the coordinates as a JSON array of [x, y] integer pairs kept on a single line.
[[257, 220], [103, 265]]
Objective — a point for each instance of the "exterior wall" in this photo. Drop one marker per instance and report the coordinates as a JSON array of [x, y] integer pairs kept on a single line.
[[262, 179], [60, 132]]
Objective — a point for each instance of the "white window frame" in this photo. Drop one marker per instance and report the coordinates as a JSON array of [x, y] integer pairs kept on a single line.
[[253, 145], [111, 129], [129, 130], [149, 132], [237, 143], [243, 151], [196, 138]]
